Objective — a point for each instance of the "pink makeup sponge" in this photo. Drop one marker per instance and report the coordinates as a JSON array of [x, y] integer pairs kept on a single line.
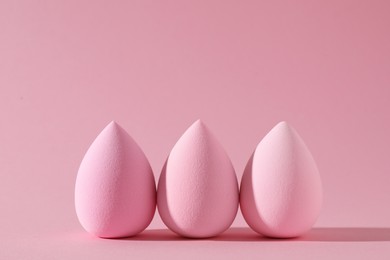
[[115, 193], [281, 192], [198, 194]]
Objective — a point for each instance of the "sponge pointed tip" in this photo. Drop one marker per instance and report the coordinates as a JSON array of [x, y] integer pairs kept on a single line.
[[199, 124], [199, 121], [113, 124], [283, 125]]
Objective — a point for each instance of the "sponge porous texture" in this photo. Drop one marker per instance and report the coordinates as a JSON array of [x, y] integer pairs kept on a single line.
[[115, 193], [281, 191], [198, 192]]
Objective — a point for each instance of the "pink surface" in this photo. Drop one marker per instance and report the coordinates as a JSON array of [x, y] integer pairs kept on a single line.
[[68, 68], [197, 193], [281, 191], [115, 193]]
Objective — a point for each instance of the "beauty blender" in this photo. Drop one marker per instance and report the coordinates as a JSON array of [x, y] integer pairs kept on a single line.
[[197, 193], [115, 193], [281, 191]]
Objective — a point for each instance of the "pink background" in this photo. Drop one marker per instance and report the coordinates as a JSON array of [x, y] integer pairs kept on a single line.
[[67, 68]]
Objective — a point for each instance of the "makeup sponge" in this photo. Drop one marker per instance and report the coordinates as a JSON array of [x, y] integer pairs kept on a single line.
[[198, 194], [115, 194], [281, 192]]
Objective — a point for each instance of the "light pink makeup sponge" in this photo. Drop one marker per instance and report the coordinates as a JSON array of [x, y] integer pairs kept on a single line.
[[281, 192], [198, 194], [115, 192]]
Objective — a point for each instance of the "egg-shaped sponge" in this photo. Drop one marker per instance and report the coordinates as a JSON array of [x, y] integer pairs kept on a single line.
[[198, 193], [115, 193], [281, 191]]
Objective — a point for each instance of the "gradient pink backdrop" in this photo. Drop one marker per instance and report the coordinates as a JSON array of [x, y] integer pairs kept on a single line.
[[67, 68]]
